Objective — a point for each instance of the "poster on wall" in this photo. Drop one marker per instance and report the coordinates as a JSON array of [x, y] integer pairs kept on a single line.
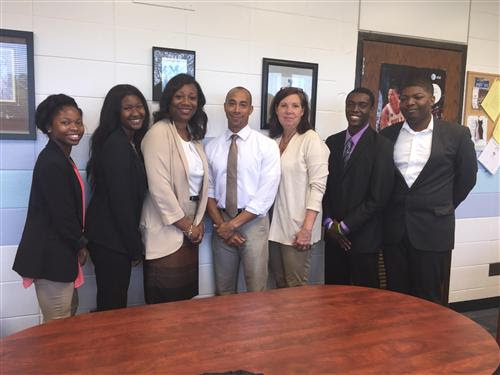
[[17, 88], [169, 62], [391, 78]]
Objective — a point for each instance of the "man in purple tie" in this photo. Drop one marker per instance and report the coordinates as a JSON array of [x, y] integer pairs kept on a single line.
[[361, 175]]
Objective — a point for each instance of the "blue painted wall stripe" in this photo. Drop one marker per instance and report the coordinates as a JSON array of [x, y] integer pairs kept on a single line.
[[17, 155], [479, 205], [15, 188], [486, 182], [11, 225]]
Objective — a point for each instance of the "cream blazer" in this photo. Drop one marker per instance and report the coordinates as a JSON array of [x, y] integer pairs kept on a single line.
[[168, 196], [304, 170]]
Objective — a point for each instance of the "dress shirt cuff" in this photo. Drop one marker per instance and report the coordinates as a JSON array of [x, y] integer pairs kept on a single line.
[[255, 211], [327, 223], [211, 192], [344, 227]]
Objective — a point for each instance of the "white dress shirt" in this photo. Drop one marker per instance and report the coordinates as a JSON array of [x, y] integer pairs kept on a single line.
[[258, 170], [195, 164], [412, 150]]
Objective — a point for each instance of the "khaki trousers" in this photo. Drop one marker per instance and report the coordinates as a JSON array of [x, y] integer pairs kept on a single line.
[[254, 255], [57, 300], [289, 266]]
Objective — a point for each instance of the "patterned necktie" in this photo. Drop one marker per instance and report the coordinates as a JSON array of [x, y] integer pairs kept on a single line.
[[231, 178], [349, 145]]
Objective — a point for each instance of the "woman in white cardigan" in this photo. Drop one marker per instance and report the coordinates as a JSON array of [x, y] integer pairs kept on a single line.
[[296, 220], [177, 172]]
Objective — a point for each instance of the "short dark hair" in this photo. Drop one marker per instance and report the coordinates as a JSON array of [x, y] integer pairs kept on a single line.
[[49, 107], [363, 90], [240, 88], [275, 128], [110, 120], [197, 123], [418, 80]]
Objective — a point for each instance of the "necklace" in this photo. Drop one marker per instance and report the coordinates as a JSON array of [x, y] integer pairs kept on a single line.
[[284, 143]]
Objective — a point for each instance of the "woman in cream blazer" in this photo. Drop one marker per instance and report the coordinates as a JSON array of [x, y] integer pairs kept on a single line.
[[296, 220], [177, 172]]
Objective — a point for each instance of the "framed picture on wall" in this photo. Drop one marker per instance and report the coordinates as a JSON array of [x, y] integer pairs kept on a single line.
[[167, 63], [391, 78], [17, 85], [277, 74]]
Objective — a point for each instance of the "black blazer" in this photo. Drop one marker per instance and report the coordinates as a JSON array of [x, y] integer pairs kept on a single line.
[[358, 192], [52, 235], [114, 212], [426, 211]]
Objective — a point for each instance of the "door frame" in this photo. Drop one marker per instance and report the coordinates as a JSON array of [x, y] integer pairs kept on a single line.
[[396, 39]]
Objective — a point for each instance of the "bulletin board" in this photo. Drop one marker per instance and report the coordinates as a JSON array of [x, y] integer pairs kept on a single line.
[[480, 124]]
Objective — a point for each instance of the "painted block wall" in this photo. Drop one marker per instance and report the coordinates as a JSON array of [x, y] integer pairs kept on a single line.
[[84, 48]]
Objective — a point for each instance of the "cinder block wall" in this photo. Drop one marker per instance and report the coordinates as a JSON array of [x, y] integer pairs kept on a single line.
[[84, 48]]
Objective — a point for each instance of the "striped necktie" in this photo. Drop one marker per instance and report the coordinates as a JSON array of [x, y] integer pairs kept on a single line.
[[349, 145]]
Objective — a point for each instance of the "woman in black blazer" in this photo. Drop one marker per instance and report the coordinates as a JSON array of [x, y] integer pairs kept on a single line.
[[118, 180], [52, 245]]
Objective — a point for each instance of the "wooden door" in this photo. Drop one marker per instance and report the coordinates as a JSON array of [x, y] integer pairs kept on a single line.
[[375, 50]]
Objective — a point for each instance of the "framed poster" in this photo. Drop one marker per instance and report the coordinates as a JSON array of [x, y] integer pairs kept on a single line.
[[277, 74], [17, 85], [167, 63], [391, 78], [475, 117], [376, 50]]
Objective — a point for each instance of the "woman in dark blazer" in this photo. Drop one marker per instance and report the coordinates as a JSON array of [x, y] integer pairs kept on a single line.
[[52, 245], [118, 181]]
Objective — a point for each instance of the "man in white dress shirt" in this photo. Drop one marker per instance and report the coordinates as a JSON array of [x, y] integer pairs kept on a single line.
[[241, 235], [435, 171]]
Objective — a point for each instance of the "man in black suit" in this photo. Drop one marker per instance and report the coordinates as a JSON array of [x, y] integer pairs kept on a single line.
[[361, 174], [435, 170]]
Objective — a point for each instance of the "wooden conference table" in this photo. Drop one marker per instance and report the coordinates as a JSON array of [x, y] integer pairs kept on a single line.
[[307, 330]]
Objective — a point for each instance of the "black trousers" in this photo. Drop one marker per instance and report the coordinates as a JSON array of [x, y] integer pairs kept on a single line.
[[350, 268], [423, 274], [112, 273]]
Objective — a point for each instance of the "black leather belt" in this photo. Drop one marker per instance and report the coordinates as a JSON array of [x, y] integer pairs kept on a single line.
[[194, 198]]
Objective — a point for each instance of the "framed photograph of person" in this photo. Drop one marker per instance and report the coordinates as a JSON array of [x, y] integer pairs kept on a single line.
[[391, 78], [277, 74], [17, 85], [167, 63]]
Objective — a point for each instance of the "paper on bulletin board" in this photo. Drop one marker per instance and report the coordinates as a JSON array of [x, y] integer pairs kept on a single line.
[[490, 157], [496, 132], [491, 102]]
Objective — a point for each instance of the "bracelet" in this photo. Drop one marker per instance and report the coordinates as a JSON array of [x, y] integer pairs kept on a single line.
[[189, 232], [339, 230]]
